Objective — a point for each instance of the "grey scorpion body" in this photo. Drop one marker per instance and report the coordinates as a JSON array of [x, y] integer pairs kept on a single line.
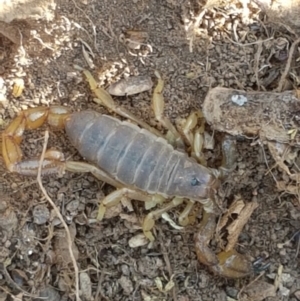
[[134, 156]]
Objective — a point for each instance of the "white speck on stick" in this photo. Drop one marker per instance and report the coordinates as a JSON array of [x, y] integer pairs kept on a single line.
[[239, 99]]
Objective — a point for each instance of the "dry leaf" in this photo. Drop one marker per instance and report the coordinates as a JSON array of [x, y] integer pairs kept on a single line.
[[167, 287], [61, 246], [288, 188], [159, 284], [88, 58], [278, 155], [234, 229], [236, 207], [126, 285]]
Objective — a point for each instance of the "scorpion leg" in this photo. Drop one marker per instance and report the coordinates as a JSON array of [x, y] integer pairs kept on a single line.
[[101, 175], [112, 199], [158, 105], [184, 218], [104, 99], [149, 221], [190, 124], [193, 134], [115, 197], [195, 140], [229, 264]]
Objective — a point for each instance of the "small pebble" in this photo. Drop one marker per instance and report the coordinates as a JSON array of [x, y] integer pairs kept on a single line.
[[40, 214], [130, 86]]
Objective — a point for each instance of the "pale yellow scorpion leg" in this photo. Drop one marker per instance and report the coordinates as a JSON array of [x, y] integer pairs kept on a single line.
[[115, 197], [104, 99], [184, 218], [158, 105], [194, 140], [149, 221]]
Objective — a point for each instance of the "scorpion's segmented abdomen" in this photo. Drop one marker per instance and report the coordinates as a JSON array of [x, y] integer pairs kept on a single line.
[[128, 153]]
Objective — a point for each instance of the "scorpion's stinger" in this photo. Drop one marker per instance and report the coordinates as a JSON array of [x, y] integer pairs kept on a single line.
[[12, 137]]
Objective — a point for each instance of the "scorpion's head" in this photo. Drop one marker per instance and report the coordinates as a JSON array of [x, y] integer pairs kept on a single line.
[[194, 181]]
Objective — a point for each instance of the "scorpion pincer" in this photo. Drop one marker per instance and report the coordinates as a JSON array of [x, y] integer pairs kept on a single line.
[[137, 160]]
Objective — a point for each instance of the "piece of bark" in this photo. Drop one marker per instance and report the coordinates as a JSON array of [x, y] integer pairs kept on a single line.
[[271, 116]]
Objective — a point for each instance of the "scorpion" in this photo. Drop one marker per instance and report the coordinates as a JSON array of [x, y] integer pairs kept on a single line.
[[138, 161]]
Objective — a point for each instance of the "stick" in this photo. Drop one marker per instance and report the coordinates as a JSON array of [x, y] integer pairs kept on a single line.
[[39, 180], [287, 67]]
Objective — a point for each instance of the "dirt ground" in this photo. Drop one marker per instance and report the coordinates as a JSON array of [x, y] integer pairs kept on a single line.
[[233, 44]]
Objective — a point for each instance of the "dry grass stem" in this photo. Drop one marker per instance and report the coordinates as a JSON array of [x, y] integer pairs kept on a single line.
[[168, 264], [249, 44], [287, 67], [70, 243]]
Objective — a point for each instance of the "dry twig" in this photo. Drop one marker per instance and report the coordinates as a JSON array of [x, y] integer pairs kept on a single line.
[[70, 243], [249, 44], [10, 282], [287, 67], [169, 268], [256, 64]]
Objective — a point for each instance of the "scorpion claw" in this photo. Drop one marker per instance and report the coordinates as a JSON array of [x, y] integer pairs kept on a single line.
[[232, 265], [228, 264]]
